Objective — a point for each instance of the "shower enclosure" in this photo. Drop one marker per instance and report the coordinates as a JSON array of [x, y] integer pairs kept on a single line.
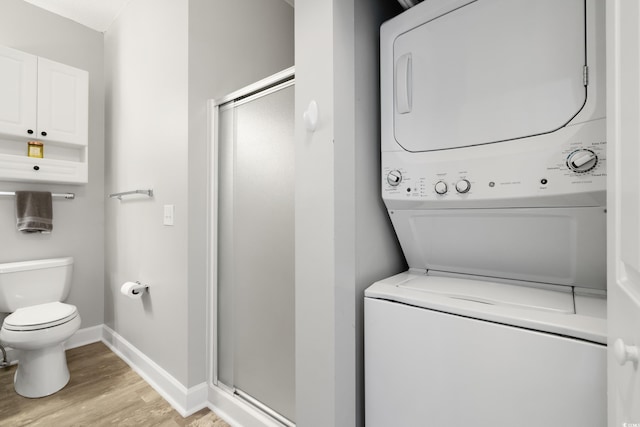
[[254, 219]]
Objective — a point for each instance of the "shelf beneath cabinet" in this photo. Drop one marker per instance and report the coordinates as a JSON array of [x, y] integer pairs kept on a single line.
[[23, 168]]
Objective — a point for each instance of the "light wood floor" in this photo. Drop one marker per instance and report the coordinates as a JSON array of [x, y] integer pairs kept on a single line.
[[103, 391]]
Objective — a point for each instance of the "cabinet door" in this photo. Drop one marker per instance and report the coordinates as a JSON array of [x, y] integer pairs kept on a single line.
[[17, 92], [63, 94]]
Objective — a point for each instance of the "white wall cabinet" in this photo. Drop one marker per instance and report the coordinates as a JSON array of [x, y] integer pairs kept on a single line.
[[45, 101], [18, 92]]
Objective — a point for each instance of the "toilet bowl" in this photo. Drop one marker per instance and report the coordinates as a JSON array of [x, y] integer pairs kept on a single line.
[[39, 322], [39, 333]]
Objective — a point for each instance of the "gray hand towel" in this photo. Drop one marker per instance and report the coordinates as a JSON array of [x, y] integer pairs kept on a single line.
[[34, 211]]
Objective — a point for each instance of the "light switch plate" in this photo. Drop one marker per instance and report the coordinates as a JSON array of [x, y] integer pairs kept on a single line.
[[168, 215]]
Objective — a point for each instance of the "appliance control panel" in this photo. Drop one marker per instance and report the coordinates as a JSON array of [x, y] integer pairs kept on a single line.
[[568, 163]]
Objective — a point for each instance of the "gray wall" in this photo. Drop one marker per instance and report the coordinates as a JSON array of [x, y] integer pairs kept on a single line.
[[78, 224], [146, 136]]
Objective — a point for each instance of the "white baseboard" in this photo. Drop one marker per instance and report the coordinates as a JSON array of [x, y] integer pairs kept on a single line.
[[236, 411], [84, 336], [185, 401]]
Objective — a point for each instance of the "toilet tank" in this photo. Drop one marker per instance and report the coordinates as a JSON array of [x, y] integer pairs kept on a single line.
[[27, 283]]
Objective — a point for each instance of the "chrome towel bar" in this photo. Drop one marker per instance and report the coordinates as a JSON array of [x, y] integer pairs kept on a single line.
[[148, 193], [69, 196]]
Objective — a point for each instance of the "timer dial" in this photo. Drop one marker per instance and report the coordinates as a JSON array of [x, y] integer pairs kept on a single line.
[[582, 160], [394, 178], [440, 187], [463, 186]]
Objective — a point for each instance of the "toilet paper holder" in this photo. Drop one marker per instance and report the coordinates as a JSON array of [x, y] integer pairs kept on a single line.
[[133, 290], [139, 289]]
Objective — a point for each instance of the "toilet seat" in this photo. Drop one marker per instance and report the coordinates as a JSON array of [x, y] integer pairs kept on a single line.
[[41, 316]]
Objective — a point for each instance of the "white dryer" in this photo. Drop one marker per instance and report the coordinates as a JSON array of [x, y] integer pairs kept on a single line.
[[494, 176]]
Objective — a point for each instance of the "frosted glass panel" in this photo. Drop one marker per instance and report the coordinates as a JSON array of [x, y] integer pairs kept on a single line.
[[256, 261]]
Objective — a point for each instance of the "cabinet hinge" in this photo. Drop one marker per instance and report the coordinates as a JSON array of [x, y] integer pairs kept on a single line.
[[585, 75]]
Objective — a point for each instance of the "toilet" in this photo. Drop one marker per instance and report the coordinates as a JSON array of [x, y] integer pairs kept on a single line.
[[39, 323]]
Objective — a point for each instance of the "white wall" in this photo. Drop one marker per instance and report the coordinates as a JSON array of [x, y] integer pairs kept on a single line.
[[344, 240], [146, 54], [78, 224]]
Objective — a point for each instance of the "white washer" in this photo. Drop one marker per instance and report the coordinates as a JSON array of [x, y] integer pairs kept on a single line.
[[444, 351], [494, 175]]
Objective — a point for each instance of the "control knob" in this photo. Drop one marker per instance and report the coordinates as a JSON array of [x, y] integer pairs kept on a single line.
[[440, 187], [463, 186], [582, 160], [394, 178]]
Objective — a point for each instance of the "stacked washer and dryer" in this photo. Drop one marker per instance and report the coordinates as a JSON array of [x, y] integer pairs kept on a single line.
[[494, 177]]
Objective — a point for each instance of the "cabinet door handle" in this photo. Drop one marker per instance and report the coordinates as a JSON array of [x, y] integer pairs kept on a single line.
[[43, 133], [29, 131]]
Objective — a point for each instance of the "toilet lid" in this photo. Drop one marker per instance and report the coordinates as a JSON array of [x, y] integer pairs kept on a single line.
[[40, 316]]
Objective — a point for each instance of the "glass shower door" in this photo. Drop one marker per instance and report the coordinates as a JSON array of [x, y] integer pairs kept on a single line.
[[256, 248]]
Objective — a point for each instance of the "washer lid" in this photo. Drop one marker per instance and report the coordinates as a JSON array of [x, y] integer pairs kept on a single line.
[[549, 309], [40, 316], [500, 294]]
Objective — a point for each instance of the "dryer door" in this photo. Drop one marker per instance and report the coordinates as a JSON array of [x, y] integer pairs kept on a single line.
[[490, 71]]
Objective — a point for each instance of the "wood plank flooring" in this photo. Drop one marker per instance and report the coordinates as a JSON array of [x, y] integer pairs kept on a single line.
[[103, 391]]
